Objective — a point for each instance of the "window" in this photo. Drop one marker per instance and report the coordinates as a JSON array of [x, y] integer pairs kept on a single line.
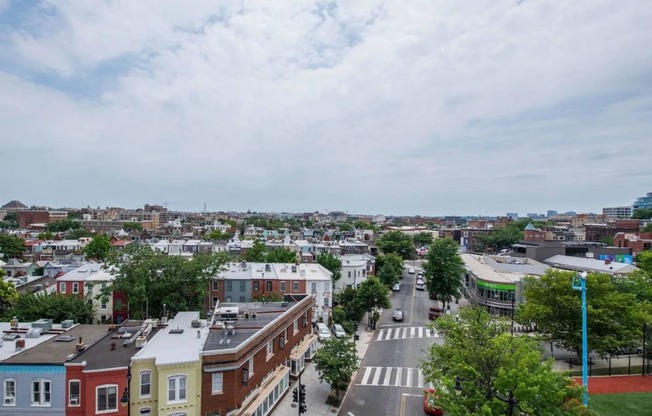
[[242, 286], [177, 388], [62, 287], [74, 387], [75, 287], [282, 286], [216, 285], [295, 327], [10, 392], [313, 287], [218, 378], [256, 286], [270, 349], [214, 300], [349, 273], [103, 303], [269, 286], [251, 366], [145, 383], [295, 286], [41, 393], [229, 285], [107, 398]]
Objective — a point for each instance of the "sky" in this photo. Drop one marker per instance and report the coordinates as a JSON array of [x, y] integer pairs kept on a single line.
[[424, 107]]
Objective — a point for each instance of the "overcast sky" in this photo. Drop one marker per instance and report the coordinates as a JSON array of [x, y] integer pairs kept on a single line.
[[396, 107]]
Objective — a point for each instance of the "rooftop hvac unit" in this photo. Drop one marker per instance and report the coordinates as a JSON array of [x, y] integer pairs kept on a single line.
[[33, 333], [68, 323], [152, 322], [195, 323], [140, 342], [45, 324]]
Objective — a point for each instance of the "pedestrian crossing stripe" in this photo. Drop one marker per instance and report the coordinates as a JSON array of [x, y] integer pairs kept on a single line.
[[394, 377], [406, 332]]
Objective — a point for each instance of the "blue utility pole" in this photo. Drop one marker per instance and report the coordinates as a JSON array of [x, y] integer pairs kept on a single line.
[[579, 283]]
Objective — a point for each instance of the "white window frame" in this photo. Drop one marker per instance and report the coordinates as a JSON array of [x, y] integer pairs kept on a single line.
[[217, 383], [176, 379], [295, 285], [282, 286], [295, 327], [43, 399], [62, 287], [106, 387], [75, 288], [270, 349], [141, 384], [71, 402], [216, 285], [250, 366], [9, 400]]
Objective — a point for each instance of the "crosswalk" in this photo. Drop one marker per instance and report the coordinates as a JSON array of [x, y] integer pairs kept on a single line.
[[394, 377], [406, 332]]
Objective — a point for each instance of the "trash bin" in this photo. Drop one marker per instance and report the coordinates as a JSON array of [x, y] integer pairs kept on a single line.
[[356, 337]]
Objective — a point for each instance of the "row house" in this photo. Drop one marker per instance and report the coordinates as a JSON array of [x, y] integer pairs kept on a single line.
[[255, 282], [637, 242]]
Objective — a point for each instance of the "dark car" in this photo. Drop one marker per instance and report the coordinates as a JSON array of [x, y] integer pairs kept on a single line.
[[398, 315], [435, 312], [430, 403]]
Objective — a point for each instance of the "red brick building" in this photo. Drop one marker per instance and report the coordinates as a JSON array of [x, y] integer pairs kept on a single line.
[[637, 242]]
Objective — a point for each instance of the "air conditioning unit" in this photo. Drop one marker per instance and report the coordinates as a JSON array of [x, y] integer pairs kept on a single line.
[[74, 401]]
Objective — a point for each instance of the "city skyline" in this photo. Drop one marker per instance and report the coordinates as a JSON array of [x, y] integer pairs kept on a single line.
[[377, 107]]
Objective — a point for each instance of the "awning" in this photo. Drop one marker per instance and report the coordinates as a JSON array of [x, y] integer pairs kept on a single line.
[[303, 347], [263, 391]]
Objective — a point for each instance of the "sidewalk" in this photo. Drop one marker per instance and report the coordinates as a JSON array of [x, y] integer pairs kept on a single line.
[[316, 392]]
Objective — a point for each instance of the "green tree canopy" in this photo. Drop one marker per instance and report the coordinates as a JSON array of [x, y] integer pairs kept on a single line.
[[373, 294], [98, 248], [647, 228], [8, 296], [10, 221], [500, 238], [336, 361], [256, 253], [490, 364], [614, 319], [78, 233], [398, 243], [444, 270], [642, 214], [389, 268], [332, 263], [280, 255], [644, 261], [423, 239], [62, 226], [11, 246], [46, 235], [132, 226], [217, 235], [55, 306]]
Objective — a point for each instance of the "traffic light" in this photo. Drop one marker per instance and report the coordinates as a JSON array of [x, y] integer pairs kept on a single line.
[[302, 408], [355, 326], [302, 394], [295, 395]]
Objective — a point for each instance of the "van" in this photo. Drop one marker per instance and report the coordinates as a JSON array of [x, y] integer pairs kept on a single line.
[[322, 332]]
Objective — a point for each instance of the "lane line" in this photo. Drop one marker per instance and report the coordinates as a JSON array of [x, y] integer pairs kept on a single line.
[[367, 374]]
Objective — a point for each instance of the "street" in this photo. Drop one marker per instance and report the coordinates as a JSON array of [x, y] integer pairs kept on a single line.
[[390, 381]]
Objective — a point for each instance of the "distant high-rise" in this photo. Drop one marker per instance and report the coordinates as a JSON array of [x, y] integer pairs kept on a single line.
[[512, 215], [644, 202], [617, 212], [533, 215], [570, 213], [551, 213]]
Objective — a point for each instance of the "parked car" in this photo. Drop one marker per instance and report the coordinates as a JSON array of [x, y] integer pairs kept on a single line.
[[398, 315], [411, 271], [430, 405], [629, 350], [435, 312], [397, 287], [322, 332], [338, 331], [421, 285]]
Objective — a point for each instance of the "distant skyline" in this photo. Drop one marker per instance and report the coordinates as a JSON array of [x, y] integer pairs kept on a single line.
[[374, 106]]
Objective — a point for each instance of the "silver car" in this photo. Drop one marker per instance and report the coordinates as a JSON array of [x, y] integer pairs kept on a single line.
[[338, 331]]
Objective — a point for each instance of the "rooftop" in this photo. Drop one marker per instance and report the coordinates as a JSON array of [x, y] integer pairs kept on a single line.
[[8, 348], [502, 269], [88, 272], [589, 265]]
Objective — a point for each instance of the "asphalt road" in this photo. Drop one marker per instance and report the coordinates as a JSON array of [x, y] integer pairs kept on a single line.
[[389, 381]]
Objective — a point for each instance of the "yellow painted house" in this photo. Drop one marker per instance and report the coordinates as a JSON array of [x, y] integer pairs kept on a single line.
[[166, 372]]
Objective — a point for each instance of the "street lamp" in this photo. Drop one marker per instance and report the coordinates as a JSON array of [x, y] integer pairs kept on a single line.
[[513, 299], [579, 283], [124, 401]]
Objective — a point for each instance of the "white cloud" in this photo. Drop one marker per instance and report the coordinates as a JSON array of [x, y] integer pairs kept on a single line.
[[363, 106]]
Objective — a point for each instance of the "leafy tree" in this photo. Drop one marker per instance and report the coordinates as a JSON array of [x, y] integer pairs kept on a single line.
[[46, 235], [98, 248], [345, 227], [256, 253], [614, 319], [217, 235], [74, 215], [8, 295], [390, 267], [349, 302], [10, 221], [647, 228], [608, 240], [373, 294], [639, 284], [644, 261], [61, 226], [444, 270], [490, 364], [423, 239], [642, 214], [11, 246], [132, 226], [336, 361], [398, 243], [78, 233], [280, 255], [500, 238], [332, 263], [55, 306]]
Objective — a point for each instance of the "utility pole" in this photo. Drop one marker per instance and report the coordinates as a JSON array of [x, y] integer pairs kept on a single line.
[[299, 397]]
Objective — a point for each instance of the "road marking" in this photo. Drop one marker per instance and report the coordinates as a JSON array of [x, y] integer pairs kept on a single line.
[[408, 379], [376, 376], [420, 378], [412, 331], [399, 373], [351, 414], [394, 376], [406, 333], [387, 377], [367, 374]]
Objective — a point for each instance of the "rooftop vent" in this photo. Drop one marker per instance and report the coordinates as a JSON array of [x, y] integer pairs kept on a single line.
[[10, 337], [33, 333], [195, 323], [65, 338], [67, 323], [44, 324], [176, 331]]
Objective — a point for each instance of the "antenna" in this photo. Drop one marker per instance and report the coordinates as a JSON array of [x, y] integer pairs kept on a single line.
[[166, 204]]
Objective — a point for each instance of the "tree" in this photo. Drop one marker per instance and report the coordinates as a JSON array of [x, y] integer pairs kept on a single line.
[[280, 255], [444, 270], [372, 294], [11, 246], [500, 238], [336, 361], [608, 240], [642, 214], [398, 243], [345, 227], [62, 226], [9, 221], [490, 363], [46, 235], [390, 267], [647, 228], [332, 264], [74, 215], [8, 295], [98, 248], [78, 233], [217, 235], [614, 319], [55, 306], [256, 253], [644, 261], [132, 226], [423, 239]]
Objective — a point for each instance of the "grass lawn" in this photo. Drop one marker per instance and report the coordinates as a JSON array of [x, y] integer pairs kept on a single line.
[[630, 404]]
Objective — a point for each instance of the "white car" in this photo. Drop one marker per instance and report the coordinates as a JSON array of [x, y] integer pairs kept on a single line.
[[411, 271], [421, 285], [338, 331]]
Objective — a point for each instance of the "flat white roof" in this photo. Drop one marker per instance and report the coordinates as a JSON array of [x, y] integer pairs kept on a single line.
[[487, 269], [8, 348]]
